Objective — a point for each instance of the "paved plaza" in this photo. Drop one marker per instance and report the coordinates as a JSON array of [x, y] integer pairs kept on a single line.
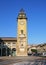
[[30, 60]]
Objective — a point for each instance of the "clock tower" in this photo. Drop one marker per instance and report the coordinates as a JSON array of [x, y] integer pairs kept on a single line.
[[21, 46]]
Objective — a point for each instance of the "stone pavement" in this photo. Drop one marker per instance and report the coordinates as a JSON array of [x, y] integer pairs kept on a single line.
[[29, 60]]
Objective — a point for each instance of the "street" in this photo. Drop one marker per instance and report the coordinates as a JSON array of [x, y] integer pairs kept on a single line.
[[29, 60]]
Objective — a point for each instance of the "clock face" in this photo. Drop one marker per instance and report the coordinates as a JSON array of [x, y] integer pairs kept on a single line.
[[21, 22]]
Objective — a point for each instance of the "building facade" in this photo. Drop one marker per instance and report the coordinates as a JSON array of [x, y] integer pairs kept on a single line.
[[8, 46]]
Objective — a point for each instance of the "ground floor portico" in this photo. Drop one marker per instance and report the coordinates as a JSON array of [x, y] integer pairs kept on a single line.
[[7, 51]]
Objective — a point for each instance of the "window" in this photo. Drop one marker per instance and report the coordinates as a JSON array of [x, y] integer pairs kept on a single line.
[[21, 31], [21, 44], [9, 43], [13, 43]]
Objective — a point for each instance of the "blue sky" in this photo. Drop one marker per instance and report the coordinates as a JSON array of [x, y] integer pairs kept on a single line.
[[36, 23]]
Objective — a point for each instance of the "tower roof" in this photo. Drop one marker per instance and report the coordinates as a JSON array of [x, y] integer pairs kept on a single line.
[[22, 14]]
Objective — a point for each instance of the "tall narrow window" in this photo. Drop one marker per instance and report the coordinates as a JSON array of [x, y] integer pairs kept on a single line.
[[0, 44], [21, 31]]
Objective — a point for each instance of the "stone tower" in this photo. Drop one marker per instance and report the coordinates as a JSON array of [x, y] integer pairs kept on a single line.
[[21, 46]]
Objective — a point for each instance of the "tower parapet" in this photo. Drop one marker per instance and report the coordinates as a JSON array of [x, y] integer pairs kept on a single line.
[[22, 15]]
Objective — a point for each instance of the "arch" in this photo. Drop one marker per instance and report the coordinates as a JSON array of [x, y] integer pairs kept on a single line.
[[13, 51], [3, 51], [0, 51], [8, 51]]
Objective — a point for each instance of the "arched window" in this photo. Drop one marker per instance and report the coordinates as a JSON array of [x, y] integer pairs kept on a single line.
[[21, 31]]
